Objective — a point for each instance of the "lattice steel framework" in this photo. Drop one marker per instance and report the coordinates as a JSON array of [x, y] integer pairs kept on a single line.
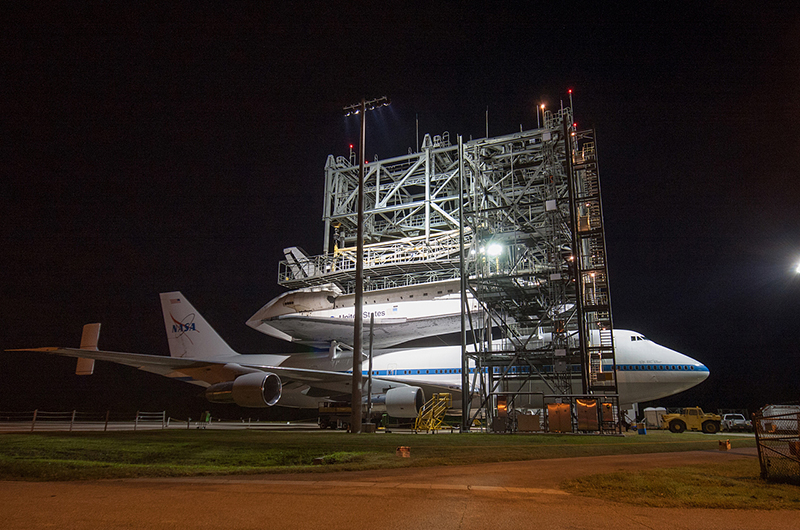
[[405, 197], [534, 247], [539, 262]]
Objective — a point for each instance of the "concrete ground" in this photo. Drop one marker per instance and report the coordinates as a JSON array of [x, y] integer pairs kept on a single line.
[[504, 496]]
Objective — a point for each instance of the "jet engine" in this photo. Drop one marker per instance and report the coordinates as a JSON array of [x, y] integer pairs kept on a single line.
[[401, 402], [255, 390]]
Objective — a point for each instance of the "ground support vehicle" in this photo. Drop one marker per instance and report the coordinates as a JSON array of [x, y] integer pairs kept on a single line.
[[334, 415], [694, 419]]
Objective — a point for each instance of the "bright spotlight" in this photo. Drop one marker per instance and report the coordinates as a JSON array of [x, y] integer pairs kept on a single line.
[[494, 250]]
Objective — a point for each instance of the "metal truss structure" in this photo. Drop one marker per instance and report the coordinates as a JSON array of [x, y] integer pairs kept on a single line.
[[533, 244], [538, 264]]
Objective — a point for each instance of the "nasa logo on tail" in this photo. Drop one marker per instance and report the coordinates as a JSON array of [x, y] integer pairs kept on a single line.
[[183, 328]]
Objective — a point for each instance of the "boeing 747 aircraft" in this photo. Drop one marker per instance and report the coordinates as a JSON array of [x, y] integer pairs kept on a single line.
[[401, 378]]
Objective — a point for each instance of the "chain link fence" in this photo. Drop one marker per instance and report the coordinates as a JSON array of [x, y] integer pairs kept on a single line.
[[777, 431]]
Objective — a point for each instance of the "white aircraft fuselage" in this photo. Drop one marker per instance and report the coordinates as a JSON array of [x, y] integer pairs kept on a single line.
[[646, 371]]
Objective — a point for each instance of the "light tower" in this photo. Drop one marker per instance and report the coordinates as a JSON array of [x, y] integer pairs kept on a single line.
[[358, 320]]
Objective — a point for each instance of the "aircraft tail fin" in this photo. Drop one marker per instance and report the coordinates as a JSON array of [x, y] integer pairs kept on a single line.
[[188, 333], [89, 338], [299, 263]]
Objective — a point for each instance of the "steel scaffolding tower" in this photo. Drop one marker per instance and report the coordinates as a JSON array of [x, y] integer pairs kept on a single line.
[[538, 264], [534, 250]]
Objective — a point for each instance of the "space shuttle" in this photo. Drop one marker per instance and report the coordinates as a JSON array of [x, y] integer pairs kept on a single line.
[[323, 314]]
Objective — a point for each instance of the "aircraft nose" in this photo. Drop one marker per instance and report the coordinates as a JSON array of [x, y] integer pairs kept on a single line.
[[702, 372]]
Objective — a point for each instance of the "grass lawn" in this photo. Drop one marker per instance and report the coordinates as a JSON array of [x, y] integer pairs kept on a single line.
[[77, 456], [734, 485], [173, 453]]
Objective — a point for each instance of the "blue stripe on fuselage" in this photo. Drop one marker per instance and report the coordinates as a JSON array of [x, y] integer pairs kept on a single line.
[[547, 369]]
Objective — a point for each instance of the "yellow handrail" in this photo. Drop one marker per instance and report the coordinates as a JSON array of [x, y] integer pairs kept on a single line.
[[431, 415]]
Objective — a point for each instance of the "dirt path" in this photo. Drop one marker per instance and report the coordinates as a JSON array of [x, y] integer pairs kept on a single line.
[[503, 495]]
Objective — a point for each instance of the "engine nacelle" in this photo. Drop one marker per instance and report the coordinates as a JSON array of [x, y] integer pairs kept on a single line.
[[404, 401], [255, 390]]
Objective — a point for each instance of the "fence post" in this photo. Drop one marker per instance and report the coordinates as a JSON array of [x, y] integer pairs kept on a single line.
[[105, 427], [756, 419], [136, 421], [33, 422], [71, 421]]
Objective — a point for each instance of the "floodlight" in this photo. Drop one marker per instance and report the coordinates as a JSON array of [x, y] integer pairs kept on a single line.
[[495, 249]]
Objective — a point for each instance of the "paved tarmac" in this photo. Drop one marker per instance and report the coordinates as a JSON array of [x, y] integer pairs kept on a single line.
[[506, 495]]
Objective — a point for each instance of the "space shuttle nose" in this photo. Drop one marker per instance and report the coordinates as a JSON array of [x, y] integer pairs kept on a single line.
[[275, 307]]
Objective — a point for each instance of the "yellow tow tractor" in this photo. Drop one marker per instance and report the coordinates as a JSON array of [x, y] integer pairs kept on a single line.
[[694, 419]]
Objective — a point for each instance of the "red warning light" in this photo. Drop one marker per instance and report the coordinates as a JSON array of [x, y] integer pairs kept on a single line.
[[569, 91], [575, 125]]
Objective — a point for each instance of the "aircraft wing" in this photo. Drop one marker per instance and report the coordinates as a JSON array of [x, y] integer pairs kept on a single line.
[[173, 367], [205, 373]]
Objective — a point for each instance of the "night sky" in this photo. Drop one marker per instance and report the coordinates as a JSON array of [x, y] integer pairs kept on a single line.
[[161, 148]]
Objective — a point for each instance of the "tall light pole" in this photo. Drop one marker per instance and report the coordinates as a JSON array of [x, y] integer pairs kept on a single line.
[[466, 396], [358, 317]]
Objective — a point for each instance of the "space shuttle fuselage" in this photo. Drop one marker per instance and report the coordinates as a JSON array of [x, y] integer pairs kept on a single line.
[[323, 314]]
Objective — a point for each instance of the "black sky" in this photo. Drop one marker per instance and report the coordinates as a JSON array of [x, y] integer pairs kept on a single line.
[[181, 147]]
